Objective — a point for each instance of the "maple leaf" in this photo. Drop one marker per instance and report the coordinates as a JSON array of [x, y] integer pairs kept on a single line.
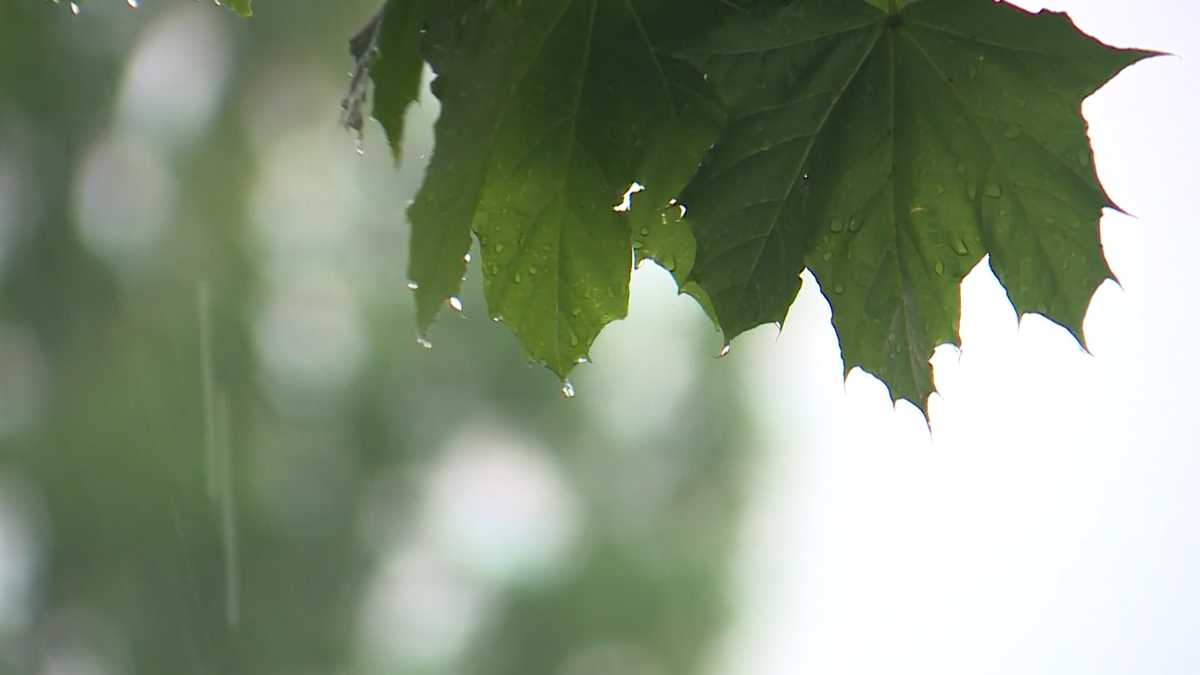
[[886, 145], [888, 152], [550, 110], [394, 31]]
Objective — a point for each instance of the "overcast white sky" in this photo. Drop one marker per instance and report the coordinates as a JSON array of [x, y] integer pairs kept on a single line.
[[1050, 524]]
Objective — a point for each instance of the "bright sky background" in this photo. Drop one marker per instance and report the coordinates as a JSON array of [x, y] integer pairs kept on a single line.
[[1049, 523]]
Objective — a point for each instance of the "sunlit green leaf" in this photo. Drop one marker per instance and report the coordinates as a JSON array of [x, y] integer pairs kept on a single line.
[[550, 111]]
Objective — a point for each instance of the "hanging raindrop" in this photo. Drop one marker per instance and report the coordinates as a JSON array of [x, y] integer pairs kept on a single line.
[[568, 389]]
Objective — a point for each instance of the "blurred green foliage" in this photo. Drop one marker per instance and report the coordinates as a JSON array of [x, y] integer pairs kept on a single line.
[[151, 158]]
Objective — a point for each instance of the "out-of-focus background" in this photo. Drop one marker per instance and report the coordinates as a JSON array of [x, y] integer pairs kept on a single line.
[[223, 452]]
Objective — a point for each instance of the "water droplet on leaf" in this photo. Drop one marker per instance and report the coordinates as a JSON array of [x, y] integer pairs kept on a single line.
[[568, 389], [993, 190]]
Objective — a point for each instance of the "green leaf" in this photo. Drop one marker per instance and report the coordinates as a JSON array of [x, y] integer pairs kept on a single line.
[[242, 7], [889, 154], [550, 110], [388, 51]]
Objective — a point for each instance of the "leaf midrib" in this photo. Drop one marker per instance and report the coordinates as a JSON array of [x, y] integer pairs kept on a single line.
[[797, 176]]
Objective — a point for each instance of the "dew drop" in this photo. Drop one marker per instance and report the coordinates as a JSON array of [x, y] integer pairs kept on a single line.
[[855, 225], [75, 8], [827, 256], [132, 3], [466, 257], [576, 312], [645, 232], [835, 226], [568, 389], [424, 342], [517, 278], [939, 268], [839, 289], [455, 303], [940, 190], [532, 271], [497, 318], [574, 341], [1084, 160], [960, 247], [499, 247], [725, 351], [412, 285], [993, 190]]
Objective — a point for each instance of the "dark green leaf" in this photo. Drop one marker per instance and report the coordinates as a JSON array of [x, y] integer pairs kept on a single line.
[[388, 50], [890, 153]]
